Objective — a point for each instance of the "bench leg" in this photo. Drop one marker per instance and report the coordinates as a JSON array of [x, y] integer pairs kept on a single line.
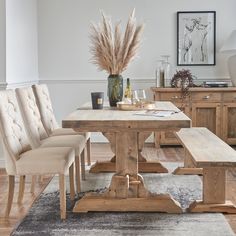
[[214, 199], [189, 167]]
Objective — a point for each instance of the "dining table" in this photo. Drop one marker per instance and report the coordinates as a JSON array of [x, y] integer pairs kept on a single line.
[[127, 132]]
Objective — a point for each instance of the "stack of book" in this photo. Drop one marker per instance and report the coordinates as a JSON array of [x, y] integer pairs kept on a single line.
[[215, 84]]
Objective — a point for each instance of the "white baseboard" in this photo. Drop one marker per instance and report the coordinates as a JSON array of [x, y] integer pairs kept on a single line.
[[2, 164]]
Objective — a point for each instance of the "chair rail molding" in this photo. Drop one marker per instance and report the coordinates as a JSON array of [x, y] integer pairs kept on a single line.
[[89, 80], [3, 85], [21, 84], [136, 80]]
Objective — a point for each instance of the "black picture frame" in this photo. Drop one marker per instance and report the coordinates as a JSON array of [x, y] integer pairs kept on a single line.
[[196, 38]]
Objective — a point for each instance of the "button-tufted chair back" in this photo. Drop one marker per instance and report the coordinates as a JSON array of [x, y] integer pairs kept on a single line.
[[45, 106], [31, 116], [15, 140]]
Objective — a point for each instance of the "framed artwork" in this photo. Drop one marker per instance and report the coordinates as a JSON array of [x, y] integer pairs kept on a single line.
[[196, 38]]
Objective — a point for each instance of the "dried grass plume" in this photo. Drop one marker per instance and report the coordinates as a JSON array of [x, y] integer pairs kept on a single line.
[[110, 51]]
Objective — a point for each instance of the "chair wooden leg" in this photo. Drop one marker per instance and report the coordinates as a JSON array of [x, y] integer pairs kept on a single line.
[[88, 147], [72, 182], [62, 196], [77, 174], [40, 179], [21, 189], [11, 185], [32, 187], [83, 164]]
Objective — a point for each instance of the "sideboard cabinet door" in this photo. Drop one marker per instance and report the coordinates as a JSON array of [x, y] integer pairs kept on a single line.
[[229, 123], [207, 115]]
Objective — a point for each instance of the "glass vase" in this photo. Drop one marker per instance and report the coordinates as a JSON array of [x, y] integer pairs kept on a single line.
[[115, 89]]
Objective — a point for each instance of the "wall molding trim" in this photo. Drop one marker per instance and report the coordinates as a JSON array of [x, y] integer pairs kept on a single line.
[[21, 84], [140, 80], [3, 85], [89, 81]]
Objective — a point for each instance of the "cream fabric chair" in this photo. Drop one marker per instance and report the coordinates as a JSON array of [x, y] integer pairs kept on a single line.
[[22, 160], [38, 135], [49, 121]]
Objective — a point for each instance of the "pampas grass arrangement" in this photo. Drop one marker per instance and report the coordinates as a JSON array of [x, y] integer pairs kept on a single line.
[[110, 51]]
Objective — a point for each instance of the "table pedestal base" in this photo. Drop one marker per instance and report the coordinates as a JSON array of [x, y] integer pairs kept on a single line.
[[143, 167], [127, 191], [159, 203]]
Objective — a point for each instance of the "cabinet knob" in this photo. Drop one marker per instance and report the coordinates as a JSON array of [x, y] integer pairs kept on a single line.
[[206, 97], [175, 97]]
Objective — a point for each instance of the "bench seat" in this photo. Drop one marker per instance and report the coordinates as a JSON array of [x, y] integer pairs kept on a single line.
[[205, 150]]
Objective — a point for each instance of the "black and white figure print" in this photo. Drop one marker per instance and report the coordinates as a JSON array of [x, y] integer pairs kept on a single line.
[[196, 38]]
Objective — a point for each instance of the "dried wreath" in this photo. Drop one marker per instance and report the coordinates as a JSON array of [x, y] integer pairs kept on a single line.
[[183, 79]]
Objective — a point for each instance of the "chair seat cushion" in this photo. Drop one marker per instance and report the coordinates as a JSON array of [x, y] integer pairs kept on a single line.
[[54, 160], [68, 131], [77, 142]]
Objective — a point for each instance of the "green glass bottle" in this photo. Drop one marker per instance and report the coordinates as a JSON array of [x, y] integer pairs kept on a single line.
[[128, 92]]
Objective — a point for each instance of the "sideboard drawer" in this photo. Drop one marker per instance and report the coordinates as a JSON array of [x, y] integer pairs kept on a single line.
[[173, 97], [229, 97], [206, 97]]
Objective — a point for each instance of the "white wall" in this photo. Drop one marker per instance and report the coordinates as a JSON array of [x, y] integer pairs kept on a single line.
[[21, 41], [64, 55], [64, 28], [2, 43], [18, 45], [2, 57]]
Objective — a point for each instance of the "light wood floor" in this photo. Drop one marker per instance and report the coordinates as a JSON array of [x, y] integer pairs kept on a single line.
[[99, 152]]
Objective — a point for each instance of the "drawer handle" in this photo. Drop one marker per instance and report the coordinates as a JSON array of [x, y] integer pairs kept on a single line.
[[206, 97], [175, 97]]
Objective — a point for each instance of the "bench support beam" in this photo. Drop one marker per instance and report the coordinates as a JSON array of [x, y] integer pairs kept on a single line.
[[189, 167]]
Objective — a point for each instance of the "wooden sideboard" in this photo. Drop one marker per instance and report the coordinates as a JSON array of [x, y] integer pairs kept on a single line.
[[214, 108]]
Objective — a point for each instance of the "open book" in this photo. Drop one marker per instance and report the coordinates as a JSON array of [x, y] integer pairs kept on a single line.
[[157, 113]]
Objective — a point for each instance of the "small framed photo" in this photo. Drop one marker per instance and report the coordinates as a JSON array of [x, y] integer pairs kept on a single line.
[[196, 35]]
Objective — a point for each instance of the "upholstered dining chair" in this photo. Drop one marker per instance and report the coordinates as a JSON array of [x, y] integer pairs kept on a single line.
[[38, 136], [22, 160], [48, 118]]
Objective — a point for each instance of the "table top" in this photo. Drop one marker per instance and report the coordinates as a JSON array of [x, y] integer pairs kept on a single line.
[[110, 119]]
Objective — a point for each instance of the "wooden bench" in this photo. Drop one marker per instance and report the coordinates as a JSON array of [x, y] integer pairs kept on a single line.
[[205, 150]]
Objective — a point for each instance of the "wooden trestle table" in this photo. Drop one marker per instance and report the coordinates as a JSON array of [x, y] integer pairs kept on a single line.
[[127, 132]]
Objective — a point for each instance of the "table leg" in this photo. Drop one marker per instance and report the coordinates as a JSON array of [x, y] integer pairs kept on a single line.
[[144, 166], [127, 191]]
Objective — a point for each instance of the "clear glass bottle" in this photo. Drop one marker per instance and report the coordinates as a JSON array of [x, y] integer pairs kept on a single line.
[[160, 74], [167, 68]]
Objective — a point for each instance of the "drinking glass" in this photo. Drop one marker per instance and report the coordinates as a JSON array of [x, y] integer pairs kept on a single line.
[[141, 95], [134, 97], [138, 96]]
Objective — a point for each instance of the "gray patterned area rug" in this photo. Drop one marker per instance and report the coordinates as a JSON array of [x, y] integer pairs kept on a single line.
[[44, 217]]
